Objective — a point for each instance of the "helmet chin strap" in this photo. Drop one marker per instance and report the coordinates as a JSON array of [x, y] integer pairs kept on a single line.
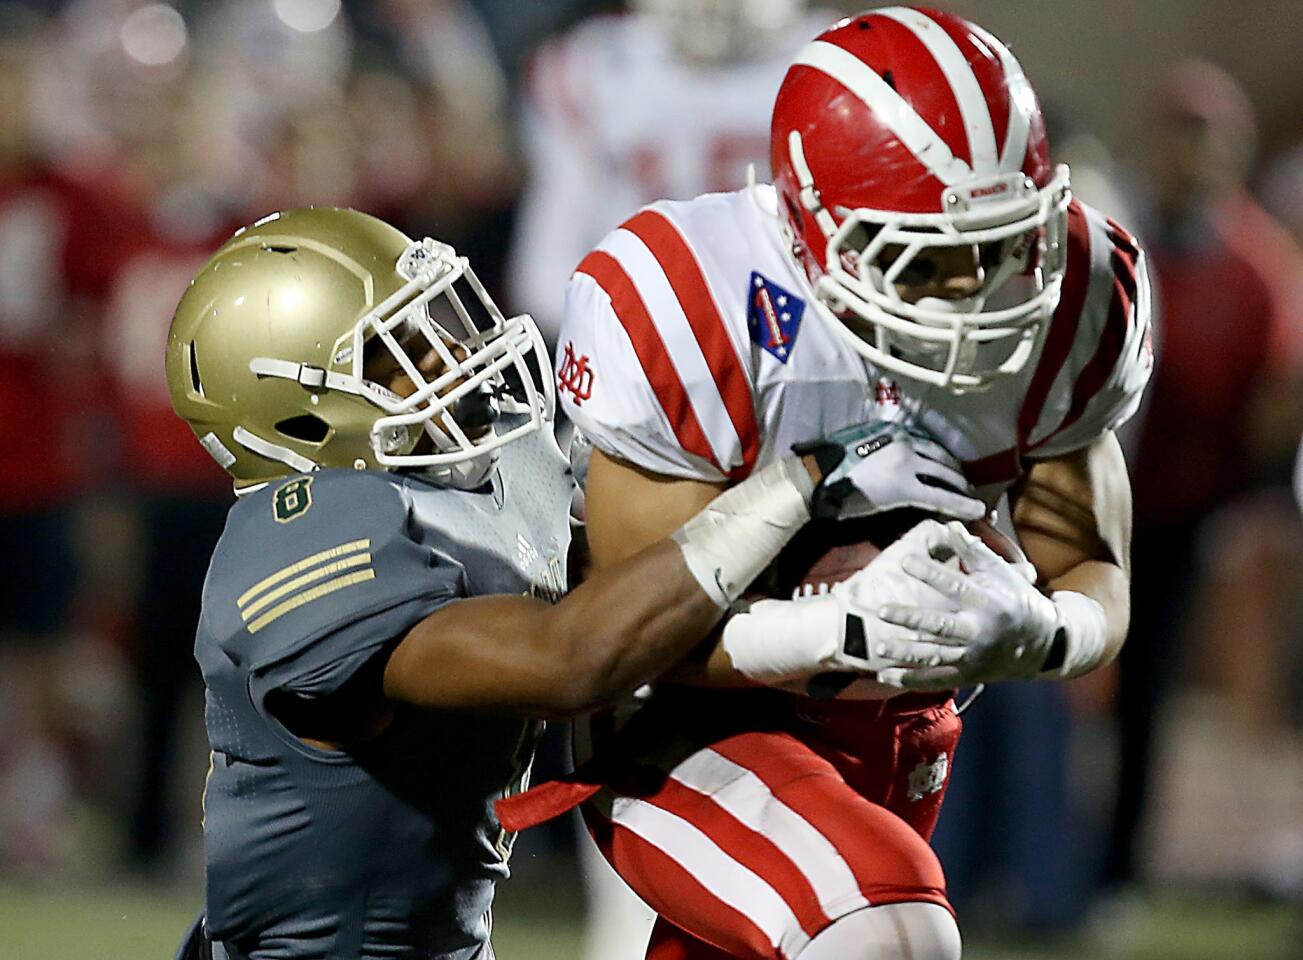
[[272, 451], [958, 305], [810, 198]]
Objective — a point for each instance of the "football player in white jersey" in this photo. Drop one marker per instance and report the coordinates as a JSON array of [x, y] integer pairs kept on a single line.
[[668, 101], [918, 261]]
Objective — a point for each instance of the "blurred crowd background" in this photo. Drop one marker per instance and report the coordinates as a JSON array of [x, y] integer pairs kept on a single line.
[[136, 136]]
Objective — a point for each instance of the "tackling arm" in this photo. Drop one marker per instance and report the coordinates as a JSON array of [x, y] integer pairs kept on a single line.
[[641, 612], [607, 637], [627, 508], [865, 469]]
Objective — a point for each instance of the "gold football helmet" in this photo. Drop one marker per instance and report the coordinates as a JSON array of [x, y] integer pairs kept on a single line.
[[265, 356]]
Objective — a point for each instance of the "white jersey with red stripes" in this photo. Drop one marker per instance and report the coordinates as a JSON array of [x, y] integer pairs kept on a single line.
[[614, 118], [691, 348]]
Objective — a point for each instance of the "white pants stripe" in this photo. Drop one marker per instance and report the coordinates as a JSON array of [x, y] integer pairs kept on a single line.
[[728, 880], [747, 798]]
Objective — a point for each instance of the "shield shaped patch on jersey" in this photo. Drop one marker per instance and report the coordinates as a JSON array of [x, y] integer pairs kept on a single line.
[[773, 316]]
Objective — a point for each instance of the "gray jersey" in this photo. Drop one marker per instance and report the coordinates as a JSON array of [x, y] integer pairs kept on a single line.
[[389, 849]]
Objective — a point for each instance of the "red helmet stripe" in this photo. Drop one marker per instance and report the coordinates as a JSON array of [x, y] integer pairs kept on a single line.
[[891, 109], [959, 76], [894, 52], [686, 278], [655, 359], [988, 69]]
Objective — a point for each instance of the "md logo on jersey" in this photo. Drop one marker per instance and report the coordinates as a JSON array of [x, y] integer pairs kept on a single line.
[[928, 778], [575, 376], [773, 316]]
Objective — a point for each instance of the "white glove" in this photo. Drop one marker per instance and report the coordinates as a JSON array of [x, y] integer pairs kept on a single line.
[[874, 467], [993, 612], [784, 643]]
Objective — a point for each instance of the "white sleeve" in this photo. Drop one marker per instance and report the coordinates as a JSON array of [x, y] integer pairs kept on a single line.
[[1104, 381], [604, 389], [553, 228]]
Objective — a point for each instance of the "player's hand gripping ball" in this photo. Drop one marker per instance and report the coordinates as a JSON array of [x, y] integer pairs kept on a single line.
[[881, 466], [845, 561]]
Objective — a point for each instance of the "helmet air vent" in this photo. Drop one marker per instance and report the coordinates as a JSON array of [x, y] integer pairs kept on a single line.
[[196, 384], [305, 427], [280, 248]]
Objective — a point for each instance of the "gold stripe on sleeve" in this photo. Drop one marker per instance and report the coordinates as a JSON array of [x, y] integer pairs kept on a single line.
[[307, 596], [330, 569], [302, 565]]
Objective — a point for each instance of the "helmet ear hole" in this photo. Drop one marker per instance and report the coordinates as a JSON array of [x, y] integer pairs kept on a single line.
[[305, 427]]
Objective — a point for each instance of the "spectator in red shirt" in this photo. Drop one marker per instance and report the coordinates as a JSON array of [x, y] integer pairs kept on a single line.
[[1224, 274], [59, 245], [175, 493]]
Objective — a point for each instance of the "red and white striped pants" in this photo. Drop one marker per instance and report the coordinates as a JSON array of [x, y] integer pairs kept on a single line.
[[752, 820]]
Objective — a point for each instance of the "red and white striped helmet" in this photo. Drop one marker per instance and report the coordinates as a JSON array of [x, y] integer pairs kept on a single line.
[[905, 129]]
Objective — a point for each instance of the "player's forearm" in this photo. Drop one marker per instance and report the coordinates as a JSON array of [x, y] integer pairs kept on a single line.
[[723, 548], [1073, 516], [602, 641], [709, 665], [628, 623], [1109, 585]]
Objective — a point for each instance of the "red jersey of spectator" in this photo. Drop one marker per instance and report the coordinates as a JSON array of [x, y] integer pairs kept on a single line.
[[1229, 320], [60, 243], [160, 453]]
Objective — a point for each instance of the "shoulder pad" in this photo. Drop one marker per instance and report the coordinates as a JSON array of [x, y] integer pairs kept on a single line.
[[663, 384], [1099, 352], [311, 557]]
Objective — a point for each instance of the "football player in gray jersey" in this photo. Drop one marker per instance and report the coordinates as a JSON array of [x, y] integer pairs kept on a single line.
[[383, 622]]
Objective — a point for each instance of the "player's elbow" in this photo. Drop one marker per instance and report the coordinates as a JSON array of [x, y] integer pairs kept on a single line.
[[590, 681], [569, 696], [587, 670]]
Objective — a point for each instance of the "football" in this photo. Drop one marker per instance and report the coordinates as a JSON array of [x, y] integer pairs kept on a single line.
[[830, 551]]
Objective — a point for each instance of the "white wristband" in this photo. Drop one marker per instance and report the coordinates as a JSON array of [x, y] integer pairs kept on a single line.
[[729, 543], [1084, 628], [774, 641]]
